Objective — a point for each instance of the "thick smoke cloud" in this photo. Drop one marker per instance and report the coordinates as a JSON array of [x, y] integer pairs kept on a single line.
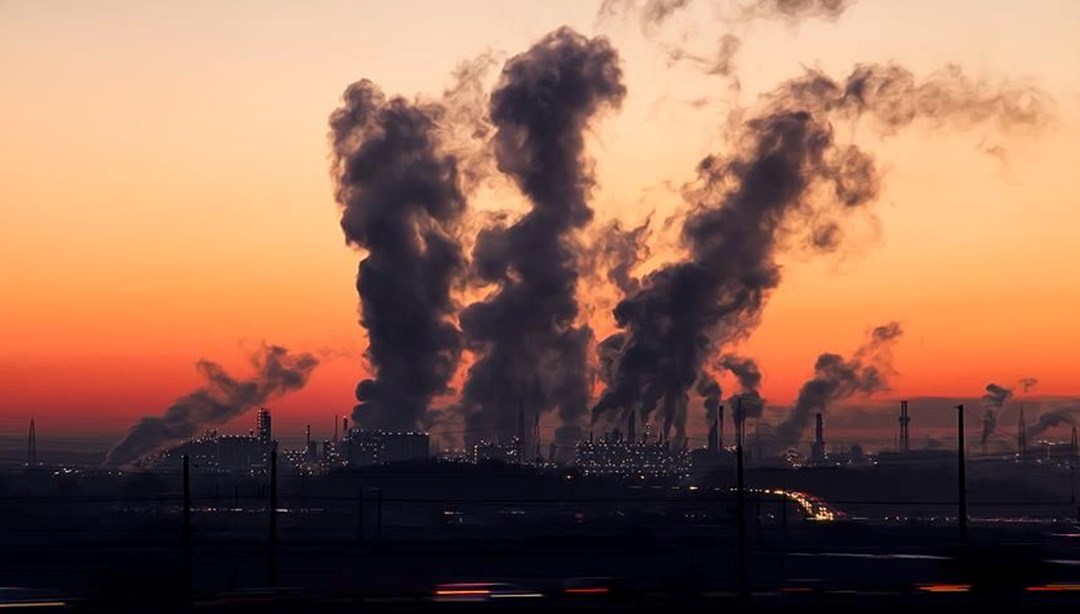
[[401, 201], [219, 400], [784, 173], [836, 378], [531, 354]]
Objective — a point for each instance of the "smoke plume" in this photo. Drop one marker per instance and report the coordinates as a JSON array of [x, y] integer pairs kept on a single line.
[[994, 399], [531, 354], [219, 400], [1047, 420], [400, 201], [836, 378], [785, 178], [1027, 384], [747, 402]]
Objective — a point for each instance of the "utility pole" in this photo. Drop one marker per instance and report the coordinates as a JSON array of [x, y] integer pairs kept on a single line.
[[185, 534], [961, 485], [273, 520], [740, 499]]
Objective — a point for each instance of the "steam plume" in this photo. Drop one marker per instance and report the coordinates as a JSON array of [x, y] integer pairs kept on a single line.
[[219, 400], [784, 172], [531, 354], [994, 399], [836, 378], [401, 202]]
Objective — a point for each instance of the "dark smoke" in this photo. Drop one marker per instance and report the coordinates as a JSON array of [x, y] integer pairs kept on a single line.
[[709, 390], [1047, 420], [836, 378], [219, 400], [618, 251], [994, 399], [785, 172], [401, 202], [747, 402], [1027, 383], [531, 354], [996, 396]]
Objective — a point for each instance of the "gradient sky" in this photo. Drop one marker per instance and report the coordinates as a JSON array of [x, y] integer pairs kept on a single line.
[[165, 193]]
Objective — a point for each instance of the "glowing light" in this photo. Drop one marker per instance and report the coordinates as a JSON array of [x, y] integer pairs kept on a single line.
[[946, 588], [589, 590]]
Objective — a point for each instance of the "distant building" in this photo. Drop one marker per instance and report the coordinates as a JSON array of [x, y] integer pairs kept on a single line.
[[362, 447], [612, 455], [262, 426]]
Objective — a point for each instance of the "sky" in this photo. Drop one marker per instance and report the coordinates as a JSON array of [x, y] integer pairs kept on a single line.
[[165, 193]]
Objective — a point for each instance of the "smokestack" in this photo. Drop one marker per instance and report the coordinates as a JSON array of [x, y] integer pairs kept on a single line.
[[344, 427], [905, 420], [307, 436], [31, 446], [631, 428], [1073, 442], [817, 449], [1021, 435], [719, 428], [536, 436], [713, 444]]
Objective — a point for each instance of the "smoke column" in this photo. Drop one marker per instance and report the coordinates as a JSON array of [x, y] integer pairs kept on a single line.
[[531, 355], [747, 403], [219, 400], [836, 378], [994, 399], [400, 201], [784, 173]]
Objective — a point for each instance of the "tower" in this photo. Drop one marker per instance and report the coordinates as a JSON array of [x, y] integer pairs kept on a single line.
[[817, 449], [714, 437], [719, 427], [335, 428], [31, 446], [905, 420], [1021, 435], [631, 428], [262, 426], [536, 436], [1073, 442]]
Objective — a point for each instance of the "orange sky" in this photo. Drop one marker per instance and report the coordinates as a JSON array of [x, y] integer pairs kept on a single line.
[[165, 192]]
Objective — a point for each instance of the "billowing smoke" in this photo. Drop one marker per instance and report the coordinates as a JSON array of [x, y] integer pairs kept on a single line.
[[989, 424], [1047, 420], [996, 396], [531, 353], [747, 402], [785, 173], [836, 379], [401, 202], [709, 390], [1027, 384], [219, 400], [618, 250]]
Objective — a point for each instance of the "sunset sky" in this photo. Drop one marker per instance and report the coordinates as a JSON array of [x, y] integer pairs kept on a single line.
[[165, 193]]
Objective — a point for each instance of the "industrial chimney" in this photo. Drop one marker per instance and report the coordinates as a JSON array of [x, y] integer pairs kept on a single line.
[[817, 449], [905, 420]]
